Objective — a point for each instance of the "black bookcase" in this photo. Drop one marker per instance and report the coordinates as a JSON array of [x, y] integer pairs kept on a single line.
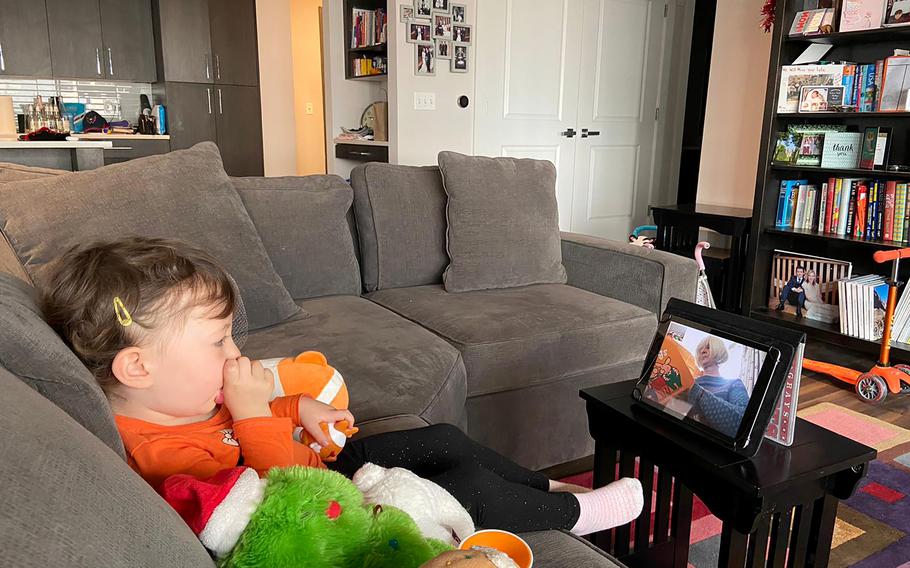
[[857, 47], [350, 54]]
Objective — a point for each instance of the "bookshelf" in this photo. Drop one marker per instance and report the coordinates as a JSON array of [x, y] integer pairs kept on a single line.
[[352, 54], [865, 46]]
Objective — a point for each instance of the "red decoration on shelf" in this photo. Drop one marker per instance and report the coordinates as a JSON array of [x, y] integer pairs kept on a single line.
[[767, 13]]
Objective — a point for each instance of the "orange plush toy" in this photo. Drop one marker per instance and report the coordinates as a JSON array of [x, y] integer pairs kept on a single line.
[[310, 374]]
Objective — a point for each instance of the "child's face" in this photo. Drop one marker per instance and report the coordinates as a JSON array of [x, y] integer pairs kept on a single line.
[[187, 367]]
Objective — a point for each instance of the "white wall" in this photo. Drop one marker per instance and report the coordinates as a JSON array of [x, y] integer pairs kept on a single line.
[[419, 135], [735, 105], [345, 100], [276, 87]]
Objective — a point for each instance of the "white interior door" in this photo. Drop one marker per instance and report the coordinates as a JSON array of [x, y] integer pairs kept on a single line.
[[527, 68], [622, 58]]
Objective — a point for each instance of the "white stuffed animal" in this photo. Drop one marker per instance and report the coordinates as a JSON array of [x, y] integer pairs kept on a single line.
[[436, 512]]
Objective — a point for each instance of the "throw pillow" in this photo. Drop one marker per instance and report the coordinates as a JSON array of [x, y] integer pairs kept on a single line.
[[183, 195], [503, 225]]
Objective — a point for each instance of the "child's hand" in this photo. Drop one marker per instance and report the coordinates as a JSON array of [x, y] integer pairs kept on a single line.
[[247, 388], [313, 413]]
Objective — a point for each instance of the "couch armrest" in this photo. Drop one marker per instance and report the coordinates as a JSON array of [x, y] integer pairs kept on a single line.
[[644, 277]]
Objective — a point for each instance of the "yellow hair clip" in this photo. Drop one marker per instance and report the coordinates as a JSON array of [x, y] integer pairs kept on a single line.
[[123, 315]]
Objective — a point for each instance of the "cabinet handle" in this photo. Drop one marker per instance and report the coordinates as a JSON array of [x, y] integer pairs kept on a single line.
[[361, 153], [110, 61], [220, 110], [98, 60], [217, 66], [208, 96], [2, 61], [205, 57]]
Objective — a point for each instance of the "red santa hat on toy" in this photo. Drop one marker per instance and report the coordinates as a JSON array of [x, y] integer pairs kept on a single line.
[[217, 509]]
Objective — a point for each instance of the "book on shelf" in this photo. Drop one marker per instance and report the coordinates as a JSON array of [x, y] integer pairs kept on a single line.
[[856, 207], [368, 27], [782, 425], [882, 85], [858, 15], [813, 22], [806, 285], [366, 66]]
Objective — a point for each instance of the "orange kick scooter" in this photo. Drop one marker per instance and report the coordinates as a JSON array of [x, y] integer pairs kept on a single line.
[[874, 385]]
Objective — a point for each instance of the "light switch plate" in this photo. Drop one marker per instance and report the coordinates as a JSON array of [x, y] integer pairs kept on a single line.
[[424, 101], [309, 108]]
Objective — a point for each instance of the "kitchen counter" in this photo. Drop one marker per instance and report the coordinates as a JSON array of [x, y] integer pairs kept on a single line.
[[72, 155], [102, 136], [61, 144]]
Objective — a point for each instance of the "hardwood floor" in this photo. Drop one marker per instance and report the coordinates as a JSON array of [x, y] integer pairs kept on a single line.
[[815, 388]]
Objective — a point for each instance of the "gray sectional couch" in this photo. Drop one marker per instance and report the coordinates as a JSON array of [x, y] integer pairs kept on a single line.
[[361, 267]]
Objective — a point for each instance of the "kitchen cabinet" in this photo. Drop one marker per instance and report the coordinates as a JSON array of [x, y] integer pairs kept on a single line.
[[190, 113], [234, 49], [185, 40], [25, 48], [239, 127], [75, 37], [128, 43]]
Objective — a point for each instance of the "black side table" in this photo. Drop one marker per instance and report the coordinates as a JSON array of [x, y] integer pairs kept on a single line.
[[756, 498], [677, 232]]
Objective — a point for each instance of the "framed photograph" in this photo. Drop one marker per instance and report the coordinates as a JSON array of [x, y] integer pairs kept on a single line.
[[441, 5], [407, 13], [419, 31], [787, 148], [882, 148], [423, 8], [425, 61], [897, 13], [459, 13], [443, 49], [442, 25], [820, 98], [459, 59], [806, 285], [461, 33]]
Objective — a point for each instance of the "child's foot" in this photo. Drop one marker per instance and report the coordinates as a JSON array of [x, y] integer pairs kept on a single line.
[[560, 487], [610, 506]]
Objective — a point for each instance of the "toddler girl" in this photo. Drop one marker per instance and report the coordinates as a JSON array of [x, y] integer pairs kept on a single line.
[[151, 319]]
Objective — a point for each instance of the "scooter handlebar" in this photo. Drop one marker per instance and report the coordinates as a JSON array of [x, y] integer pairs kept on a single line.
[[886, 255]]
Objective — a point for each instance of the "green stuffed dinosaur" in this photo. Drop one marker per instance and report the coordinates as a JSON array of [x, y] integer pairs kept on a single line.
[[296, 517]]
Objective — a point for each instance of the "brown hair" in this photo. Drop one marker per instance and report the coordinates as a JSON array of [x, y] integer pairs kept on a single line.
[[150, 276]]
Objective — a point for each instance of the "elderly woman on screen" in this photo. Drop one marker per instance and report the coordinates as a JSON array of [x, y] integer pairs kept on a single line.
[[716, 401]]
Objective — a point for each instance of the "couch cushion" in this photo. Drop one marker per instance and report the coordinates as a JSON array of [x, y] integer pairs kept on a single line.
[[503, 226], [401, 224], [31, 350], [391, 366], [561, 549], [303, 224], [517, 337], [18, 172], [181, 195], [68, 500]]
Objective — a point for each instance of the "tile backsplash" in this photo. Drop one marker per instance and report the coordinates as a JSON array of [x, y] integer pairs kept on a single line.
[[103, 97]]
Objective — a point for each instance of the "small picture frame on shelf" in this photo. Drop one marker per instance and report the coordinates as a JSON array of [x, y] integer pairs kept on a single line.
[[841, 150], [867, 153], [441, 5], [406, 13], [443, 49], [882, 148], [810, 150], [820, 98], [442, 25], [423, 8], [462, 33], [419, 31], [897, 13], [425, 60], [459, 62], [459, 13], [786, 148]]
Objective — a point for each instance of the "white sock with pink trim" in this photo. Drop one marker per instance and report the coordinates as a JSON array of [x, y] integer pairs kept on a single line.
[[610, 506]]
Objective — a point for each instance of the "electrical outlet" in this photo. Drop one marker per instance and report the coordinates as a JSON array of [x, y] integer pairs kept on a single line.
[[424, 101], [309, 108]]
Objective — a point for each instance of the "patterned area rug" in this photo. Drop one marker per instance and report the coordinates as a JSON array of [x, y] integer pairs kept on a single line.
[[872, 528]]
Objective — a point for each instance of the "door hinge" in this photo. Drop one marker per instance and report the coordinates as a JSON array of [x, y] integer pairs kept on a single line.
[[666, 9], [656, 113]]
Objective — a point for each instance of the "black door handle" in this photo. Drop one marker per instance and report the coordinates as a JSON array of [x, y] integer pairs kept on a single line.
[[570, 133], [585, 132]]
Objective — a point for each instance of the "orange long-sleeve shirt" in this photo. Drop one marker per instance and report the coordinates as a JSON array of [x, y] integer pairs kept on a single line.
[[204, 448]]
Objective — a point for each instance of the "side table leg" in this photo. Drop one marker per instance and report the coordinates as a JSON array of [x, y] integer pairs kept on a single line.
[[799, 536], [604, 473], [819, 545], [681, 524], [733, 547]]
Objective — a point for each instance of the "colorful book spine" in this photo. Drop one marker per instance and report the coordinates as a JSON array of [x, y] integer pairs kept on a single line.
[[861, 216], [865, 230], [879, 74], [845, 206], [890, 196], [879, 210], [781, 206], [851, 209], [823, 217], [793, 196], [900, 205], [848, 79], [907, 214]]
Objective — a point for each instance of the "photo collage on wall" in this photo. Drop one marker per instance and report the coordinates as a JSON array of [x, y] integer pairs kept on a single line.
[[440, 32]]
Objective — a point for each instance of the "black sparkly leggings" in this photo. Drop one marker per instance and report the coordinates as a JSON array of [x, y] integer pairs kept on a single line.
[[497, 492]]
